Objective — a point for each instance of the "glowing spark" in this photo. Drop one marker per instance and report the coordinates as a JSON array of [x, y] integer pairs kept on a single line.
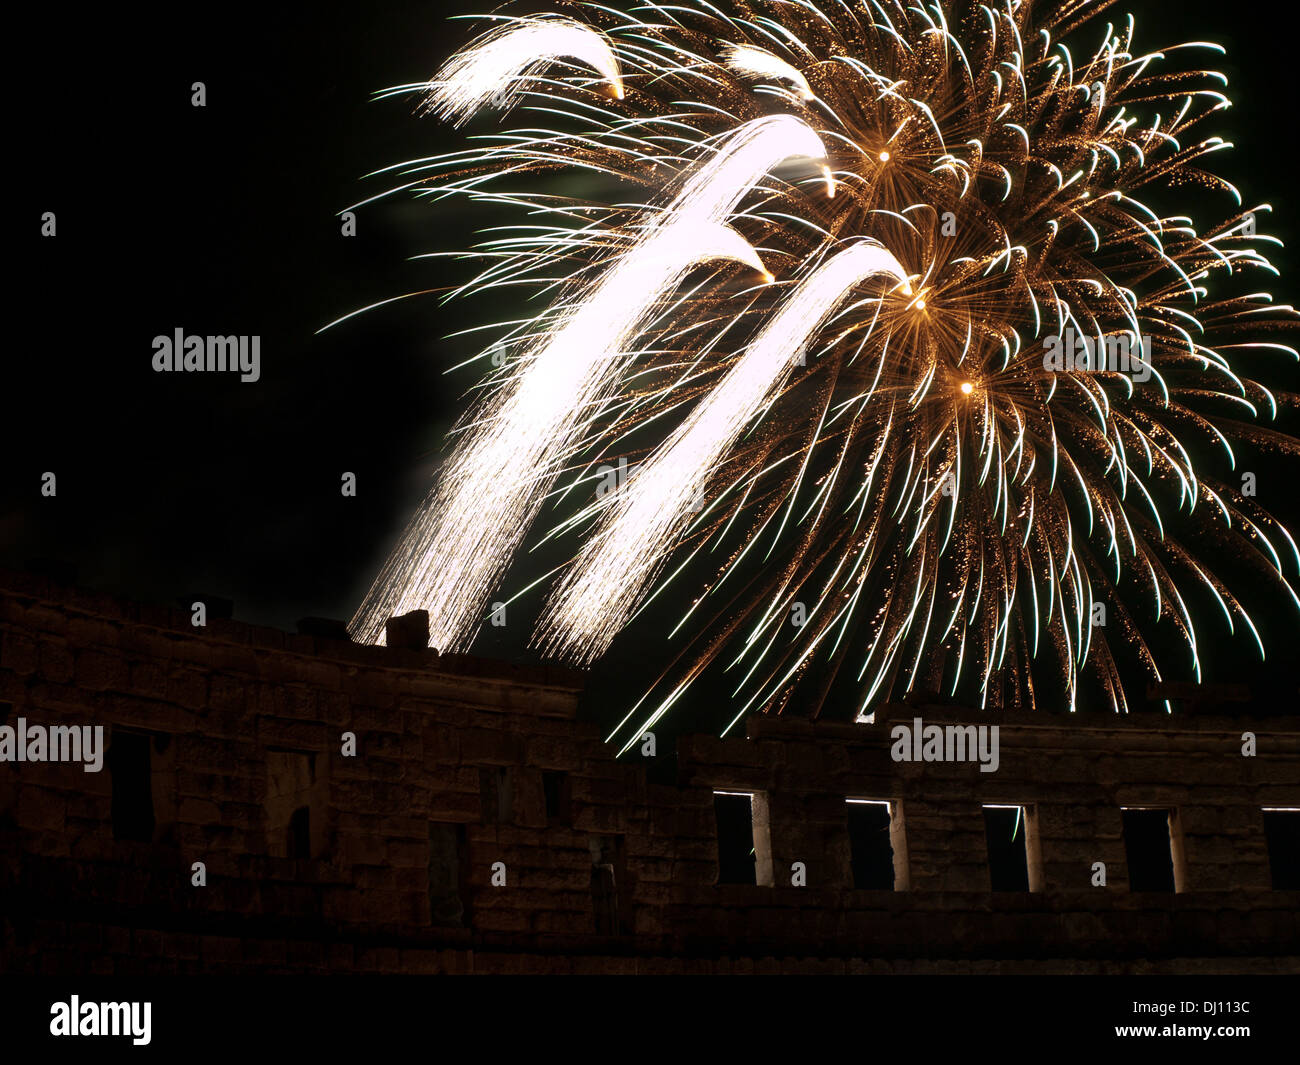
[[961, 546], [461, 542], [595, 600], [760, 63], [497, 67], [459, 545]]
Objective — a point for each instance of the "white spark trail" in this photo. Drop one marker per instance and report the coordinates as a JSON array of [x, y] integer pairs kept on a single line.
[[647, 516], [496, 68], [464, 536], [461, 541], [760, 63]]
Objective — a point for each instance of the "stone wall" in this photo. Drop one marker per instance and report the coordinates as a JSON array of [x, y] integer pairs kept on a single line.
[[233, 738]]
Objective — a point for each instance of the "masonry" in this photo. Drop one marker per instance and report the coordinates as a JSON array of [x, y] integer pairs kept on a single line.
[[481, 826]]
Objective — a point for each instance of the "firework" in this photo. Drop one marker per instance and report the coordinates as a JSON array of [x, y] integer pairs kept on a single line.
[[860, 482], [760, 63], [501, 65], [456, 550], [614, 565]]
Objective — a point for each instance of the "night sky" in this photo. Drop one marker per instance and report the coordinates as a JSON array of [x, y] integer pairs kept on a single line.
[[222, 220]]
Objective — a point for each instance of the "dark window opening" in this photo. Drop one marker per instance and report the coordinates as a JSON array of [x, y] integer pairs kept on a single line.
[[1147, 849], [298, 838], [555, 786], [448, 864], [131, 769], [1005, 832], [608, 876], [496, 792], [1282, 830], [870, 848], [736, 857], [294, 793]]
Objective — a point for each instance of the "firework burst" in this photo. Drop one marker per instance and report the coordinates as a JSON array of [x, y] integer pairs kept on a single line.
[[865, 472]]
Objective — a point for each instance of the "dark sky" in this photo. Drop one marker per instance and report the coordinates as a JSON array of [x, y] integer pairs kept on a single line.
[[222, 220]]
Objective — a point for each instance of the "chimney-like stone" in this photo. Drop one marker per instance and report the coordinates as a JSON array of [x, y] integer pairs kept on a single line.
[[409, 631]]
